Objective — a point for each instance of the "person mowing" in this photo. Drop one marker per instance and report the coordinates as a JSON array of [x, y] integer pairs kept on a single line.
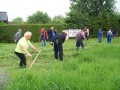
[[80, 36], [58, 48], [21, 49]]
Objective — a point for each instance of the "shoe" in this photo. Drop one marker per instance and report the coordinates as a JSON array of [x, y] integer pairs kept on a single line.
[[51, 43], [61, 59]]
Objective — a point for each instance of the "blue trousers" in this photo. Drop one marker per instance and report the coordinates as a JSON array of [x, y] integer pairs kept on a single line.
[[79, 43], [99, 39], [43, 43], [109, 39]]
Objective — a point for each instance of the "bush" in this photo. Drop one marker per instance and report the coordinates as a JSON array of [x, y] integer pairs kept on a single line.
[[7, 31]]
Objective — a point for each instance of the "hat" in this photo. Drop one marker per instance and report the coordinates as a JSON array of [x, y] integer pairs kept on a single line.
[[52, 28], [19, 30], [64, 32]]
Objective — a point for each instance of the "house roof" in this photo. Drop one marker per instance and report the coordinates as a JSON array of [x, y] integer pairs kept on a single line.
[[3, 16]]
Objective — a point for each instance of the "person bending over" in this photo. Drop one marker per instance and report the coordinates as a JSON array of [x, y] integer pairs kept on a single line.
[[21, 48]]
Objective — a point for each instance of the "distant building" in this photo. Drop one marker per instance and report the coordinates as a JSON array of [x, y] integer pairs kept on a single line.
[[4, 17]]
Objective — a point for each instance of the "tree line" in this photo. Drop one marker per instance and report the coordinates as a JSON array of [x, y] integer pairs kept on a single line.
[[93, 14], [40, 17]]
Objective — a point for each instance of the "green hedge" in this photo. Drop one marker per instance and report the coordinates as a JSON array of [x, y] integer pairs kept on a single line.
[[7, 32]]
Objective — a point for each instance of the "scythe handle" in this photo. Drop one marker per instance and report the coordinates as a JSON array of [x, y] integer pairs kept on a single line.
[[34, 60]]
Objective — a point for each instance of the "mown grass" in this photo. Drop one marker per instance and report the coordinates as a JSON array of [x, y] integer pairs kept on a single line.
[[97, 67]]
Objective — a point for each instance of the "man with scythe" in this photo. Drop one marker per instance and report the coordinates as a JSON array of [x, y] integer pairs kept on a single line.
[[80, 36], [58, 48]]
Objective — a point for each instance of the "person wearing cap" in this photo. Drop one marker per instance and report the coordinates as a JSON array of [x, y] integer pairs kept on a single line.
[[51, 32], [17, 36], [80, 36], [58, 48], [21, 49]]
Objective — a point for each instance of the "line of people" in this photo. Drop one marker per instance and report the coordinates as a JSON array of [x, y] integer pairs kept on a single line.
[[110, 34], [56, 39], [45, 34], [23, 43]]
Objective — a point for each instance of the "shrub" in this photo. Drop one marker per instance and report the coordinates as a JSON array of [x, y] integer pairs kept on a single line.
[[7, 31]]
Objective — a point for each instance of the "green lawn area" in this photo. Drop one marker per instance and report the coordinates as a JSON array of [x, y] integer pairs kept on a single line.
[[97, 67]]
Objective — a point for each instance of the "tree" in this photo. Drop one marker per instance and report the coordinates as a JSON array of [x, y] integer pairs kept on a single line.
[[17, 20], [91, 13], [58, 20], [38, 17]]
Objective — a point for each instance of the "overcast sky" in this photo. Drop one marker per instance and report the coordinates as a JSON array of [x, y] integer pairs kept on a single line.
[[24, 8]]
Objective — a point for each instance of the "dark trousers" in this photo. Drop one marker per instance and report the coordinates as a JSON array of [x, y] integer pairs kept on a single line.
[[58, 49], [79, 43], [22, 59]]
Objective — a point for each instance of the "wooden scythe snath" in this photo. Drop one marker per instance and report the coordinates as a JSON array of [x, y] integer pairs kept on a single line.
[[34, 59]]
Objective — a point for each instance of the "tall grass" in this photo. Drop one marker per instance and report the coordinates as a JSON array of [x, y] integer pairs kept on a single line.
[[97, 67]]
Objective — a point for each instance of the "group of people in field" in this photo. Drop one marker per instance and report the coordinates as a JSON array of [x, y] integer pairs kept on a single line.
[[110, 34], [56, 40]]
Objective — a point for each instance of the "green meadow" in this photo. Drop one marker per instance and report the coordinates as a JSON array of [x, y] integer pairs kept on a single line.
[[97, 67]]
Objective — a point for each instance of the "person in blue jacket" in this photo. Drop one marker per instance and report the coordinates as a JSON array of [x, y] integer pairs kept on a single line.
[[100, 35], [51, 33]]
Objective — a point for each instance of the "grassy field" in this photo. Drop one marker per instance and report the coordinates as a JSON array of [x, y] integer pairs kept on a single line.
[[97, 67]]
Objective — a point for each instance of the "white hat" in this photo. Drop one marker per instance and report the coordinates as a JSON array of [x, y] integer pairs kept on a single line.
[[64, 32], [19, 30]]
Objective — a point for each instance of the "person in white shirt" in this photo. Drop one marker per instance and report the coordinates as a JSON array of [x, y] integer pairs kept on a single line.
[[109, 36]]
